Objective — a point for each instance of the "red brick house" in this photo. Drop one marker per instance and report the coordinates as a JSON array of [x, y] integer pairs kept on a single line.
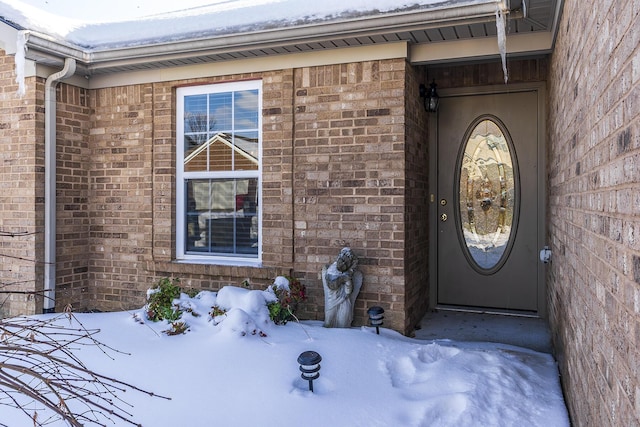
[[243, 154]]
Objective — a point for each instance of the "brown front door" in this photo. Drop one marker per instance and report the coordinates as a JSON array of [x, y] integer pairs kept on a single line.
[[488, 201]]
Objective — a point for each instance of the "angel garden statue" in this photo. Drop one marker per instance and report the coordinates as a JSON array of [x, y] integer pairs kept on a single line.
[[341, 284]]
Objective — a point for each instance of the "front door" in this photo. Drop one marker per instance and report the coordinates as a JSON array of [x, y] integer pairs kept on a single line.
[[489, 204]]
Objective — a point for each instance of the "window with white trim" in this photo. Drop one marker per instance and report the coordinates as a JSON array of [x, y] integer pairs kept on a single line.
[[219, 172]]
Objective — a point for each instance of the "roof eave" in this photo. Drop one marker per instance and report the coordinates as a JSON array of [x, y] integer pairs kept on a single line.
[[41, 46]]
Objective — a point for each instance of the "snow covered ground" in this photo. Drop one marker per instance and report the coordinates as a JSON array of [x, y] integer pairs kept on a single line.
[[222, 373]]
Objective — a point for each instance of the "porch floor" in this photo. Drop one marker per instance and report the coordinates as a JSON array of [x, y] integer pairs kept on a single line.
[[527, 332]]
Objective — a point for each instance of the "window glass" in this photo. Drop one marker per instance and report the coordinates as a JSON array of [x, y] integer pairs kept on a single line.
[[221, 216], [219, 172]]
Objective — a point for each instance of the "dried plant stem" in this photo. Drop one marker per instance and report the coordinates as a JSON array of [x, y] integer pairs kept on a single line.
[[39, 368]]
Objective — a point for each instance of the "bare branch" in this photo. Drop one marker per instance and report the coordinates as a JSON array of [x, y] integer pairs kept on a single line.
[[39, 368], [5, 233]]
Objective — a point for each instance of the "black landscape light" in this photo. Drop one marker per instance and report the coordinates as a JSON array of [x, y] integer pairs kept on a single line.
[[310, 367], [376, 314]]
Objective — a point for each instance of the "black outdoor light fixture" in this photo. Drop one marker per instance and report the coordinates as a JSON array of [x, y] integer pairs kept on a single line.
[[376, 314], [430, 96], [310, 367]]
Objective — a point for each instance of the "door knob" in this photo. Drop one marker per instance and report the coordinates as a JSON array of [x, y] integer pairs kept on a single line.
[[443, 217]]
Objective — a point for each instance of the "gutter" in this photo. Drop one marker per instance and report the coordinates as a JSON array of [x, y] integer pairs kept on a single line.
[[51, 83], [52, 47]]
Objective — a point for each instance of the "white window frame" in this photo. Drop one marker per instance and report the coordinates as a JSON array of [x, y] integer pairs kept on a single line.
[[181, 175]]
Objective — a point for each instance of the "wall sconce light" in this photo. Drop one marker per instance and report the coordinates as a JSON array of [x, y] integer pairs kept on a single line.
[[376, 314], [310, 367], [430, 96]]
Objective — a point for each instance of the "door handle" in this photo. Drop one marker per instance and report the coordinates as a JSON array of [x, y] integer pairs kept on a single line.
[[443, 217]]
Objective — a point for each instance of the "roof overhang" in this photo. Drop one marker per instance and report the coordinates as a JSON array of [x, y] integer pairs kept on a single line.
[[449, 32]]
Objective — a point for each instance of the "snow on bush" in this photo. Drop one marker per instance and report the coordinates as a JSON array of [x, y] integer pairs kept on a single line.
[[233, 310]]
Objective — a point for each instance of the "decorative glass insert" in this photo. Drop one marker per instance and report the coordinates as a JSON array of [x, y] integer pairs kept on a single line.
[[488, 194]]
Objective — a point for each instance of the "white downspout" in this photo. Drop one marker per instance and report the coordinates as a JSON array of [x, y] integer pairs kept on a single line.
[[50, 182]]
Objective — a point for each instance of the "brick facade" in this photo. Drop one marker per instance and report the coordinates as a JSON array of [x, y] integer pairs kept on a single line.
[[343, 164], [72, 193], [21, 202], [120, 199], [349, 179], [277, 190], [594, 204], [490, 73], [416, 203]]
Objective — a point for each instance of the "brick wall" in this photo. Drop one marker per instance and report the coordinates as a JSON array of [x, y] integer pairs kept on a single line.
[[335, 148], [333, 159], [72, 188], [277, 205], [120, 195], [344, 163], [489, 73], [21, 192], [132, 195], [594, 229], [416, 205], [349, 158]]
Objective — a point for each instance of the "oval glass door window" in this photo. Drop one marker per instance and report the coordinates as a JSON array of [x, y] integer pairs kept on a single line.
[[488, 193]]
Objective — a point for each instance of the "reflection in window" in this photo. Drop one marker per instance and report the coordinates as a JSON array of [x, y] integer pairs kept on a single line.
[[223, 152], [221, 216], [487, 194], [218, 170], [221, 131]]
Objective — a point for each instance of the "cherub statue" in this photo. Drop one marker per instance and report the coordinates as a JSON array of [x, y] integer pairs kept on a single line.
[[341, 284]]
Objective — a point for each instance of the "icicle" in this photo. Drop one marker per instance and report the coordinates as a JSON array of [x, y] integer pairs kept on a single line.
[[502, 41], [20, 58]]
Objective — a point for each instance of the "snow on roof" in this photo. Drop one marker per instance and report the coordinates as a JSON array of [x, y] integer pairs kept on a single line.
[[120, 23]]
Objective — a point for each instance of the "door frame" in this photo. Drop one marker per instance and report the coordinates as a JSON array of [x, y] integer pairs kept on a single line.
[[433, 134]]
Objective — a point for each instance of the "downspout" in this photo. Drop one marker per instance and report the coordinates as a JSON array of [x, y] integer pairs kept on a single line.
[[67, 71]]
